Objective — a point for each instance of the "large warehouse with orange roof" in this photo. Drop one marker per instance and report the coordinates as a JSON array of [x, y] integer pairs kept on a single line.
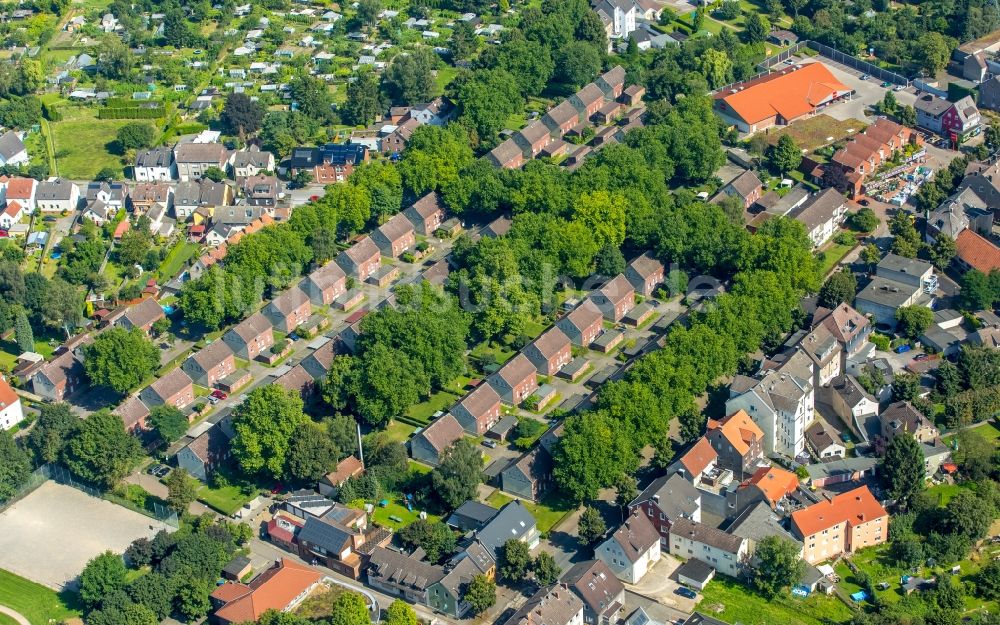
[[779, 98]]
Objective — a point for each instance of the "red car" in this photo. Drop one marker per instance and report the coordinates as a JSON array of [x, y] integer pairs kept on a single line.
[[313, 198], [219, 394], [921, 357]]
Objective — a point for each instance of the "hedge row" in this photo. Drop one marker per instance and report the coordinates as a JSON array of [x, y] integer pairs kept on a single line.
[[132, 112]]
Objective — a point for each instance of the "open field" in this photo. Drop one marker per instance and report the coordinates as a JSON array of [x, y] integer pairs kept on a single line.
[[37, 603], [83, 143], [817, 131], [34, 533], [740, 605]]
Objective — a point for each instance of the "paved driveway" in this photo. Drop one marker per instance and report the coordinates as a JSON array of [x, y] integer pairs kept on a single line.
[[660, 585]]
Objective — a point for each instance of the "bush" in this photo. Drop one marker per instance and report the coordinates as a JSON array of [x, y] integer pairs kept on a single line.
[[844, 238], [881, 341]]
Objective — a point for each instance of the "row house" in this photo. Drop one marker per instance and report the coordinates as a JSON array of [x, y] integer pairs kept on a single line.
[[746, 187], [550, 352], [394, 236], [722, 551], [330, 163], [251, 162], [478, 411], [822, 215], [426, 214], [360, 260], [853, 164], [289, 310], [325, 284], [250, 337], [207, 452], [532, 139], [507, 155], [210, 364]]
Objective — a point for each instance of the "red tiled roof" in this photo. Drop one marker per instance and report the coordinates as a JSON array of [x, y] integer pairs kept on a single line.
[[855, 507], [790, 95], [977, 252], [699, 457], [275, 589]]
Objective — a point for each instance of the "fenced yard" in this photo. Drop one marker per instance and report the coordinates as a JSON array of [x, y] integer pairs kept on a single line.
[[50, 534]]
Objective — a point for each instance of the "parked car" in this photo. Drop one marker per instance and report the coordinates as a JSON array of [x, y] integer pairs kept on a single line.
[[686, 592], [921, 357], [902, 349], [490, 444], [865, 76], [219, 394], [864, 202]]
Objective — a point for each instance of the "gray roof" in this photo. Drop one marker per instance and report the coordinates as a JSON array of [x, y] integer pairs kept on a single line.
[[156, 157], [706, 534], [696, 569], [58, 189], [820, 208], [758, 522], [403, 570], [594, 582], [840, 466], [886, 292], [912, 266], [513, 521], [10, 145], [553, 605], [674, 495], [932, 105], [471, 515], [323, 534], [505, 152]]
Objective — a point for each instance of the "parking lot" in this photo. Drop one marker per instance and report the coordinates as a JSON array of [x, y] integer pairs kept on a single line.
[[867, 92], [50, 535]]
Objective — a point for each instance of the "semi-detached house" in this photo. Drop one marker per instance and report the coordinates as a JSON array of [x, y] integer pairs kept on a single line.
[[289, 310], [550, 352], [479, 410], [361, 259], [193, 159], [429, 444], [210, 364], [56, 195], [325, 284], [426, 214], [615, 298], [582, 324], [250, 337], [644, 273], [173, 389], [394, 236], [515, 381]]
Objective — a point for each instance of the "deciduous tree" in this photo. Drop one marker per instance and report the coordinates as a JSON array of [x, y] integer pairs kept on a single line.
[[182, 489], [120, 359], [459, 474], [102, 452], [264, 425], [481, 594], [903, 468], [102, 576], [779, 565]]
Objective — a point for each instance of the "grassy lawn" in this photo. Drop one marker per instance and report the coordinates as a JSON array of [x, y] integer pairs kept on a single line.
[[82, 142], [399, 432], [986, 430], [740, 605], [178, 255], [419, 469], [444, 77], [9, 351], [6, 620], [547, 513], [534, 328], [815, 132], [227, 499], [397, 509], [500, 353], [437, 401], [832, 255], [37, 603]]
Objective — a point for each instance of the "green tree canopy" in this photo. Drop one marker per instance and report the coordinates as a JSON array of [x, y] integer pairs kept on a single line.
[[102, 452], [265, 423], [903, 468], [120, 359]]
